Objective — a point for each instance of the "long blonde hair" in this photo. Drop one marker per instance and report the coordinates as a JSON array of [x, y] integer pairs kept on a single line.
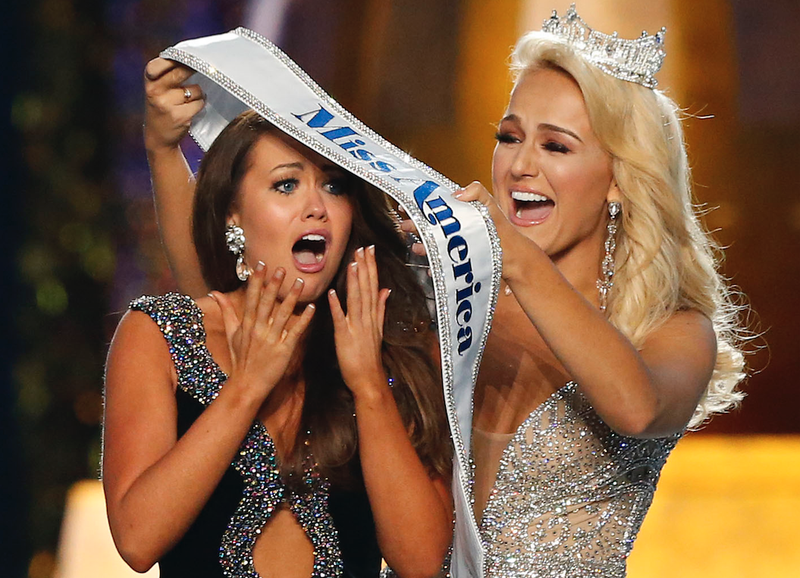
[[665, 260]]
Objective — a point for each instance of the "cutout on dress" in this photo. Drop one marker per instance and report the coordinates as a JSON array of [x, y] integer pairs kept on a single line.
[[282, 549]]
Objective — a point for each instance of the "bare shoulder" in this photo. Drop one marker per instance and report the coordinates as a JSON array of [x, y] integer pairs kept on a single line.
[[687, 328], [136, 328], [683, 351], [138, 345]]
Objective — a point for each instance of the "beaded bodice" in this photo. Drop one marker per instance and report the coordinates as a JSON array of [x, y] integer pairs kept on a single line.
[[570, 494], [262, 489]]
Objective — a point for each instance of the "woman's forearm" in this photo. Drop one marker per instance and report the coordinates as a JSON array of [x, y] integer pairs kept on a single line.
[[151, 513], [413, 513], [173, 191], [594, 353], [641, 393]]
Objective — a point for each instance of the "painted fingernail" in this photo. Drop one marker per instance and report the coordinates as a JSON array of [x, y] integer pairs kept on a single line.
[[214, 297], [279, 273], [311, 306], [260, 266], [299, 282], [354, 265], [458, 193], [360, 251], [389, 293], [332, 292], [371, 249]]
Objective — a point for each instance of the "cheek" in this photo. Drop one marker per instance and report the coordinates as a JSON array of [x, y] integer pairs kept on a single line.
[[263, 244], [587, 181], [263, 226], [342, 221], [499, 165], [258, 213], [588, 189], [500, 169]]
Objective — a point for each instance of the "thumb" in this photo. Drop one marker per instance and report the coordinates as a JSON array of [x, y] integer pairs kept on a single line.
[[475, 191]]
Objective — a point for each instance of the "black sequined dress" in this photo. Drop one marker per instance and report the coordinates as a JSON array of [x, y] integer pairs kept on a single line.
[[220, 542]]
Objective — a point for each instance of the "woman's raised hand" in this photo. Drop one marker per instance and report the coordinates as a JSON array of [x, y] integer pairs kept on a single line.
[[264, 340], [359, 334], [512, 242], [170, 105]]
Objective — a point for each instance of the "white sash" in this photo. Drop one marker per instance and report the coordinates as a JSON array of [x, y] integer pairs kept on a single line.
[[242, 70]]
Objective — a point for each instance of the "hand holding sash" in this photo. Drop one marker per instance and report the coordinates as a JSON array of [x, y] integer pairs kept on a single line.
[[512, 242], [170, 106]]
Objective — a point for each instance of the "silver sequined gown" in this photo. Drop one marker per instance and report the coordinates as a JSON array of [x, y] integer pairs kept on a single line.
[[570, 494]]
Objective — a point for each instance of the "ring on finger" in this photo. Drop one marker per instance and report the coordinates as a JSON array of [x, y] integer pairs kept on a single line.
[[187, 94]]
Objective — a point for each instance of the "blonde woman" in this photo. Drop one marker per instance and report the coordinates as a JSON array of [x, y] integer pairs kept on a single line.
[[614, 332]]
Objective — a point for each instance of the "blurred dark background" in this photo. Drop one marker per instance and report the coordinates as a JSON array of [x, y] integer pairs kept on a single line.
[[78, 229]]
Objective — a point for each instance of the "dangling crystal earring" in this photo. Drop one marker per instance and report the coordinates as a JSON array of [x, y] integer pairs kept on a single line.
[[605, 284], [234, 238]]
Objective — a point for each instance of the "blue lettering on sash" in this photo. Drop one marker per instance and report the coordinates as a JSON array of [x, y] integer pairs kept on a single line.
[[435, 209], [319, 120], [438, 212], [339, 132]]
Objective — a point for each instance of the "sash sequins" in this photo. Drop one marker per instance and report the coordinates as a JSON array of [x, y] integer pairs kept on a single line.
[[181, 322]]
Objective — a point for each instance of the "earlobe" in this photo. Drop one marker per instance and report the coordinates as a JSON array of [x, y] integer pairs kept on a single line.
[[233, 218], [614, 194]]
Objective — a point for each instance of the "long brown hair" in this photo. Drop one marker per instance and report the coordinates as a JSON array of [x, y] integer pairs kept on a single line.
[[408, 341]]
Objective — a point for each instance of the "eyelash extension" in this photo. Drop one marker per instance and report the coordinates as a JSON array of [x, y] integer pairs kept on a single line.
[[556, 147], [341, 183], [278, 184], [505, 137]]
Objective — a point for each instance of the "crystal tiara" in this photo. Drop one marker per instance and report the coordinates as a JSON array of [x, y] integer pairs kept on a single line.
[[634, 60]]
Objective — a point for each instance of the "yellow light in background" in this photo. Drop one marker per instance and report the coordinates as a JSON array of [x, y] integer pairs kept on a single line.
[[33, 396], [36, 262], [725, 506], [41, 564], [51, 297], [76, 236], [27, 111], [100, 261], [86, 549]]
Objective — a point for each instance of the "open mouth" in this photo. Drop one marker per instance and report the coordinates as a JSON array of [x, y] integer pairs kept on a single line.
[[309, 251], [530, 208]]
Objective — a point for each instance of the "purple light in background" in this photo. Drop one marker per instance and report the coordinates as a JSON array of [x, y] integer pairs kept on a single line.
[[142, 29]]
